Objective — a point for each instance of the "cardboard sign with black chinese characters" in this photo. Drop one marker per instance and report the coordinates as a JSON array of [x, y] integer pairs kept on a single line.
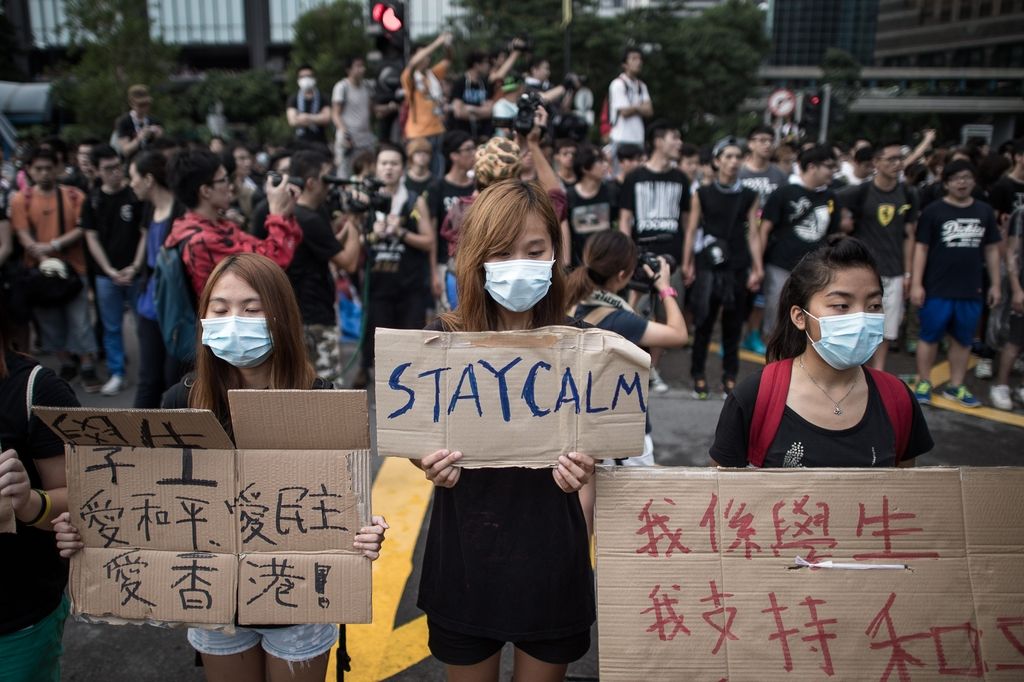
[[903, 574], [182, 526], [518, 398]]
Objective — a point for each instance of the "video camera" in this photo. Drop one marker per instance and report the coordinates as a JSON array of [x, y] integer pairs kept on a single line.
[[640, 280], [275, 180], [346, 200]]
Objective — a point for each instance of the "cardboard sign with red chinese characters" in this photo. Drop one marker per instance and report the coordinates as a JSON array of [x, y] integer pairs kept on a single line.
[[181, 525], [697, 575], [519, 398]]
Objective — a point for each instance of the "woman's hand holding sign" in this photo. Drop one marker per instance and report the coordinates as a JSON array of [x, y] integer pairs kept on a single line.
[[573, 471], [440, 468]]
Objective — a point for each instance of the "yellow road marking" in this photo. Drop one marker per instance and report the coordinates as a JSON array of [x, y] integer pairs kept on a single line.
[[748, 355], [378, 650]]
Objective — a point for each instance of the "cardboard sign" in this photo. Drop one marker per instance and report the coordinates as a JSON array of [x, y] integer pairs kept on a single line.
[[7, 521], [697, 574], [179, 526], [510, 398]]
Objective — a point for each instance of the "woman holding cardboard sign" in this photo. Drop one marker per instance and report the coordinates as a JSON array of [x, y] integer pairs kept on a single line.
[[33, 490], [507, 556], [251, 337]]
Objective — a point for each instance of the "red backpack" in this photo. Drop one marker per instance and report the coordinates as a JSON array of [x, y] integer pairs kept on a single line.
[[771, 402]]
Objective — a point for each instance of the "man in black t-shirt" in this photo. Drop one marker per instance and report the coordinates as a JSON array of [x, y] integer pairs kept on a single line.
[[796, 220], [309, 111], [470, 100], [310, 269], [591, 207], [1007, 194], [882, 213], [653, 205], [112, 220], [136, 129], [954, 237], [459, 156]]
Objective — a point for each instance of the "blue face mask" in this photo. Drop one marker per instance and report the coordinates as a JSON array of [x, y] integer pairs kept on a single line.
[[518, 285], [848, 340], [239, 341]]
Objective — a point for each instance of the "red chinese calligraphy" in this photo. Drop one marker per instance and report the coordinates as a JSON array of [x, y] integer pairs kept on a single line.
[[665, 616], [718, 601], [887, 533], [1016, 640], [656, 528], [800, 528], [818, 639], [738, 519]]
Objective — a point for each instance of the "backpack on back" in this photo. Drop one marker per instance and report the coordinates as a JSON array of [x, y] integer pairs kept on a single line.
[[773, 390], [175, 302]]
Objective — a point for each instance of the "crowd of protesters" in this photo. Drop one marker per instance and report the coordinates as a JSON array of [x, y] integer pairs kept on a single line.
[[391, 204]]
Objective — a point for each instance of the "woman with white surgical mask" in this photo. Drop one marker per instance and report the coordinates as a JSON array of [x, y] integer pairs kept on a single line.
[[507, 555], [251, 338], [816, 404]]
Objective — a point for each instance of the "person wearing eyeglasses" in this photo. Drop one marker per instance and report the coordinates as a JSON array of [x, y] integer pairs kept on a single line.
[[796, 220], [200, 181]]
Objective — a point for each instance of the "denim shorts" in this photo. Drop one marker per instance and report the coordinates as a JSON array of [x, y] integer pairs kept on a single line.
[[292, 643]]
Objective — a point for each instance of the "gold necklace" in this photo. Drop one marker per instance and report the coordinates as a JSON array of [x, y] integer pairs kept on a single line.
[[837, 409]]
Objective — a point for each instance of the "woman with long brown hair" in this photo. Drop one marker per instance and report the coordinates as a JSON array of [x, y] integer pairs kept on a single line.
[[507, 555], [250, 337]]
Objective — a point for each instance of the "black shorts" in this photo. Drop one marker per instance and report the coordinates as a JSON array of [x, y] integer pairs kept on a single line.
[[455, 648]]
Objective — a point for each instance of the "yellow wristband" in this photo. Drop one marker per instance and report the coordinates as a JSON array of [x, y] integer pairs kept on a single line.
[[44, 515]]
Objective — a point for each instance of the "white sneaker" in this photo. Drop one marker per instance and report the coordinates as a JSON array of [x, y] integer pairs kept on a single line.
[[113, 386], [983, 370], [1000, 397], [1018, 394], [657, 384]]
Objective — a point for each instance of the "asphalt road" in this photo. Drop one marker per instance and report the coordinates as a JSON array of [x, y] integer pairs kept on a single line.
[[683, 429]]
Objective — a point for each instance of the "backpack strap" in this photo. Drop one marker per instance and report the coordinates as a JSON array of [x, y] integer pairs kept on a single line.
[[896, 400], [597, 315], [772, 392]]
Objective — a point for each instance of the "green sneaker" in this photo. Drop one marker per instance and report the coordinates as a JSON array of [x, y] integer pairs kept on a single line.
[[923, 392], [700, 389], [961, 395]]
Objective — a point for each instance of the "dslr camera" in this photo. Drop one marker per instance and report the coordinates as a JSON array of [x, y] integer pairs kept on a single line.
[[641, 281], [527, 103]]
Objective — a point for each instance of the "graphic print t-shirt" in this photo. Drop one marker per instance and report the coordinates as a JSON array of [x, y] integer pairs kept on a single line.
[[763, 182], [588, 216], [659, 202], [801, 219], [956, 239], [1006, 195], [880, 220]]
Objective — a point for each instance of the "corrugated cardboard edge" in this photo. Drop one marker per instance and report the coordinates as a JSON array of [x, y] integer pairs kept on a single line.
[[205, 419]]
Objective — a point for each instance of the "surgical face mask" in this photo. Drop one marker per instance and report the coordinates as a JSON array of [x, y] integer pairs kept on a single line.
[[848, 340], [307, 83], [239, 341], [518, 285]]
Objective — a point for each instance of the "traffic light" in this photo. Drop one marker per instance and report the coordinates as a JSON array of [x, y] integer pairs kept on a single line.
[[811, 119], [390, 16]]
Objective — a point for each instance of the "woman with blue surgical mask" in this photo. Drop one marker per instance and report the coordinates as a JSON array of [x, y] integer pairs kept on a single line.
[[831, 410], [507, 554], [251, 338]]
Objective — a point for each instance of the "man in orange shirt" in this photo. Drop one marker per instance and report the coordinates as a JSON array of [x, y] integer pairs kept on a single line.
[[48, 230], [425, 93]]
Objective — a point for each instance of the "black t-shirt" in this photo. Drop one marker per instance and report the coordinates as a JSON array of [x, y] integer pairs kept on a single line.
[[588, 216], [724, 217], [117, 220], [659, 202], [417, 187], [799, 443], [801, 218], [1006, 195], [311, 133], [125, 126], [956, 239], [473, 93], [397, 269], [507, 557], [32, 571], [310, 272], [441, 196], [880, 220]]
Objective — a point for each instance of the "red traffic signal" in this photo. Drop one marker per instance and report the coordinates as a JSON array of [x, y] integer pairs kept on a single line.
[[388, 15], [815, 100]]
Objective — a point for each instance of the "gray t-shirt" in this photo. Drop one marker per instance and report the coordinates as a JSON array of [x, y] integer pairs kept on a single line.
[[763, 182], [356, 112], [880, 220]]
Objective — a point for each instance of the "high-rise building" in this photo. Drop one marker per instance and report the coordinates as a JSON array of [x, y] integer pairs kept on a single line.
[[802, 30]]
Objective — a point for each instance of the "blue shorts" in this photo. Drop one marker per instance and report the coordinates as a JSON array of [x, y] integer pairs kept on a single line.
[[957, 317], [292, 643]]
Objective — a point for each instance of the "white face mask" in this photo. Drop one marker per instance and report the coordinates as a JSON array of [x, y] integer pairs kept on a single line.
[[307, 83], [518, 285], [848, 340], [239, 341]]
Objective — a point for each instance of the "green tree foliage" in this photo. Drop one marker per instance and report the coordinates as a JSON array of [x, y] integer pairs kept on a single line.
[[247, 96], [111, 49], [326, 36], [841, 70]]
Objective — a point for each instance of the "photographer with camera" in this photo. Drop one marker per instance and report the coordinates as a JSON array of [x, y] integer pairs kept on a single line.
[[399, 238], [724, 265], [136, 129]]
